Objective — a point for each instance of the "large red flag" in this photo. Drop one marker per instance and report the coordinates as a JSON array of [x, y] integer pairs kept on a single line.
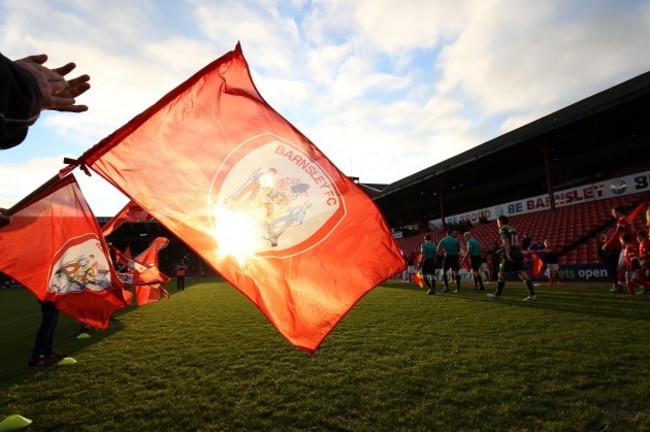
[[55, 248], [130, 213], [217, 166]]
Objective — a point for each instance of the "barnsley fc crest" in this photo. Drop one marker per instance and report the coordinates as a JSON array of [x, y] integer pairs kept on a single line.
[[80, 265], [276, 196]]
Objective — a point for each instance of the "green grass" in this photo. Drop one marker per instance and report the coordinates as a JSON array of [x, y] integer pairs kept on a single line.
[[207, 360]]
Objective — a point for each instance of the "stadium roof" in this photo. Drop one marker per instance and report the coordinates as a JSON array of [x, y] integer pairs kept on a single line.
[[599, 137]]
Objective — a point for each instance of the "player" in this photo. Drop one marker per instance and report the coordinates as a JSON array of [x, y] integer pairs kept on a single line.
[[451, 260], [632, 264], [623, 226], [644, 256], [474, 254], [512, 260], [551, 257], [428, 264]]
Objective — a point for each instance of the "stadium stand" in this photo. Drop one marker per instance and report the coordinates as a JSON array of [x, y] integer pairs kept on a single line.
[[573, 229]]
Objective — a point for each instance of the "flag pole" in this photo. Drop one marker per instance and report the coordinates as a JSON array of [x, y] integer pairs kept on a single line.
[[72, 164], [23, 202]]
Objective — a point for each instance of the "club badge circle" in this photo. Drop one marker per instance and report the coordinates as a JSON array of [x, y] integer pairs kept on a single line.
[[270, 187]]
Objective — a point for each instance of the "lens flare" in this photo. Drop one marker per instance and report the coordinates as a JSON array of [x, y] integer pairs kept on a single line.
[[237, 234]]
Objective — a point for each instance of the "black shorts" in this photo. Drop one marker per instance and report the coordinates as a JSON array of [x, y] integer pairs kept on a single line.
[[516, 265], [429, 266], [450, 262], [475, 262]]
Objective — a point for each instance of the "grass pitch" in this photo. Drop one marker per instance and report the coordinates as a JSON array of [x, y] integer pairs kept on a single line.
[[207, 360]]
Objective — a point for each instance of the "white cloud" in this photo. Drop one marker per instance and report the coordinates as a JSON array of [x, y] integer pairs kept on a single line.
[[396, 25], [265, 35], [104, 199], [324, 61], [19, 180], [533, 58]]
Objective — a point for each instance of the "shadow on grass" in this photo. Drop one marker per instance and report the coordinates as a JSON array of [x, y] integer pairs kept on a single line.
[[15, 357], [20, 319], [568, 299]]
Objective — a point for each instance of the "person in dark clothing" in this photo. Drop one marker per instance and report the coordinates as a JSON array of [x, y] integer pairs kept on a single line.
[[43, 354], [27, 87], [450, 246], [181, 270], [428, 264], [512, 260], [551, 258], [474, 257], [609, 258]]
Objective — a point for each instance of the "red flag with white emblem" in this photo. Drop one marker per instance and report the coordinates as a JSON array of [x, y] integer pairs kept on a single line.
[[254, 198], [54, 247]]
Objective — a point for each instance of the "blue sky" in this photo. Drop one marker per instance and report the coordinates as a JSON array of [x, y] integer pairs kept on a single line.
[[384, 88]]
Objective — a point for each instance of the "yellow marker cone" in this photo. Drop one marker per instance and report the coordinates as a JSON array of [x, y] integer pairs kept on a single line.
[[83, 336], [14, 422], [67, 361]]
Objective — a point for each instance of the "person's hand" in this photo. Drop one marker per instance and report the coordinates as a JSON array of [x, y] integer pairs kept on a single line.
[[58, 93], [4, 219]]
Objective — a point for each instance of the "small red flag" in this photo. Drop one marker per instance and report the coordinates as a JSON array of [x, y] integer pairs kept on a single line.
[[254, 198], [538, 264], [418, 280], [637, 211], [145, 294], [55, 248], [148, 278], [123, 258], [145, 276], [130, 213], [149, 275]]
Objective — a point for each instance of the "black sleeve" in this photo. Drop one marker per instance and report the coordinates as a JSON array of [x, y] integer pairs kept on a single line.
[[20, 102]]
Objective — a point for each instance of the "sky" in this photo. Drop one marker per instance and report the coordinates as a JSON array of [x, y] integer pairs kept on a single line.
[[385, 88]]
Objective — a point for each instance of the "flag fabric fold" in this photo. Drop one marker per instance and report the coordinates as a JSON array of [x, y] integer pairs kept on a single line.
[[151, 293], [130, 213], [55, 248], [122, 258], [253, 197], [144, 274], [146, 264]]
